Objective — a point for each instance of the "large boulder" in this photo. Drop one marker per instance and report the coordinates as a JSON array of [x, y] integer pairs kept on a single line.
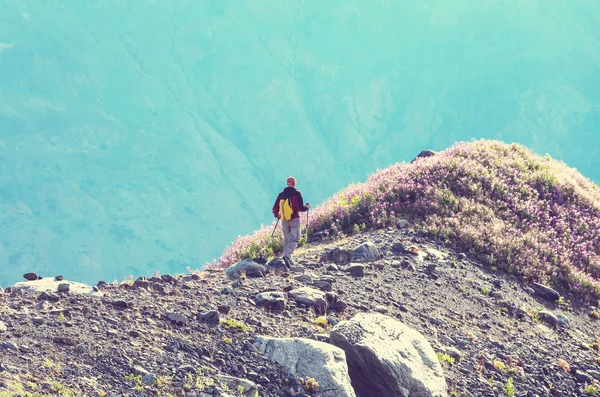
[[246, 268], [311, 297], [367, 252], [272, 300], [398, 359], [310, 358], [423, 154], [545, 291], [51, 285]]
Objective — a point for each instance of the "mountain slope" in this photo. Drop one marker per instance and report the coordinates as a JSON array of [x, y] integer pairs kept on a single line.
[[510, 208], [141, 137]]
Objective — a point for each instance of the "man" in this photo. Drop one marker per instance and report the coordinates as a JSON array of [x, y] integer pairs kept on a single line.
[[287, 208]]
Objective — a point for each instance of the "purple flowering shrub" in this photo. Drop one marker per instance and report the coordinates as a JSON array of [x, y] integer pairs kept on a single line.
[[527, 214]]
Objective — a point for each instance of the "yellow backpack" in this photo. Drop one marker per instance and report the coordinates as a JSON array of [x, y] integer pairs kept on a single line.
[[285, 209]]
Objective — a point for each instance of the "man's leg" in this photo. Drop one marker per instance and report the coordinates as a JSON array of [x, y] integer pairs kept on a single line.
[[293, 237]]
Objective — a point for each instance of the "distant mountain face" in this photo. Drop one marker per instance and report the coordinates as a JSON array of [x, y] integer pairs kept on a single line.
[[143, 136]]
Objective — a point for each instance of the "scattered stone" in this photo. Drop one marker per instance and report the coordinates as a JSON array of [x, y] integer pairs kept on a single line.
[[332, 267], [277, 264], [176, 318], [355, 270], [381, 309], [297, 269], [65, 340], [9, 345], [141, 282], [323, 285], [80, 349], [30, 276], [224, 309], [548, 317], [121, 304], [338, 256], [424, 154], [582, 377], [3, 327], [38, 320], [209, 317], [397, 358], [246, 268], [271, 300], [367, 252], [402, 224], [304, 278], [310, 358], [398, 248], [310, 297], [545, 292], [59, 277], [149, 379], [49, 296], [241, 386], [563, 321], [64, 287]]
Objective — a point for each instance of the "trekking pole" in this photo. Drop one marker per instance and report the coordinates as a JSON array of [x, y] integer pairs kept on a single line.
[[277, 223], [307, 211]]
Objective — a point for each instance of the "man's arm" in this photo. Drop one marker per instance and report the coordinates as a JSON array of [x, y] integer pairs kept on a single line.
[[302, 207], [276, 206]]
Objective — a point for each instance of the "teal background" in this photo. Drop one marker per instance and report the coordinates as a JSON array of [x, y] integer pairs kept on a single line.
[[142, 136]]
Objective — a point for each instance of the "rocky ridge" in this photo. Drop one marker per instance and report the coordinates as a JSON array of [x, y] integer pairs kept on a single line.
[[262, 329]]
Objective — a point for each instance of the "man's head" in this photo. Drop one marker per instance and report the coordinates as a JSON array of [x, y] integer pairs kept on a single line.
[[291, 181]]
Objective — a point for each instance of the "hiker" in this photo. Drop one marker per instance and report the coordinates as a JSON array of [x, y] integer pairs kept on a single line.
[[287, 208]]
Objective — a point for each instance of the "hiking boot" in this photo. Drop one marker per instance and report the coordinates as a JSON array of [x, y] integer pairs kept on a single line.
[[288, 261]]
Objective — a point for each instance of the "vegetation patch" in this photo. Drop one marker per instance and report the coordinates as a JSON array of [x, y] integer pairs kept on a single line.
[[511, 209]]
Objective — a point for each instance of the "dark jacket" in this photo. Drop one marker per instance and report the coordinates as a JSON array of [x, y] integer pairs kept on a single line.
[[297, 202]]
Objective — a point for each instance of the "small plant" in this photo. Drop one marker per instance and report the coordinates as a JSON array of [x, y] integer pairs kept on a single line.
[[591, 389], [499, 365], [509, 389], [560, 300], [61, 317], [321, 321], [563, 365], [445, 357], [227, 340], [310, 385], [235, 325], [485, 291], [595, 314], [463, 289]]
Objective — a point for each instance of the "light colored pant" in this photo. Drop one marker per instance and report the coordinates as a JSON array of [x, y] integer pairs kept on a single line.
[[291, 236]]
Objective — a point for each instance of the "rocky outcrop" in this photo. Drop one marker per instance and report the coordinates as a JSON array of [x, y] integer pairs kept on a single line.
[[54, 285], [398, 359], [246, 268], [309, 358], [367, 252]]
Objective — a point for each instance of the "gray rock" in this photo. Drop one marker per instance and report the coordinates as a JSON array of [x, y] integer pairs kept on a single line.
[[121, 304], [583, 377], [149, 379], [310, 297], [277, 264], [80, 349], [271, 300], [30, 276], [241, 386], [545, 292], [355, 270], [310, 358], [247, 267], [139, 370], [64, 287], [398, 359], [49, 296], [297, 269], [3, 327], [548, 317], [453, 352], [398, 248], [366, 252], [338, 256], [304, 278], [423, 154], [209, 317], [59, 277], [323, 285], [402, 224], [563, 321], [38, 320], [381, 309], [176, 318], [8, 345], [594, 374]]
